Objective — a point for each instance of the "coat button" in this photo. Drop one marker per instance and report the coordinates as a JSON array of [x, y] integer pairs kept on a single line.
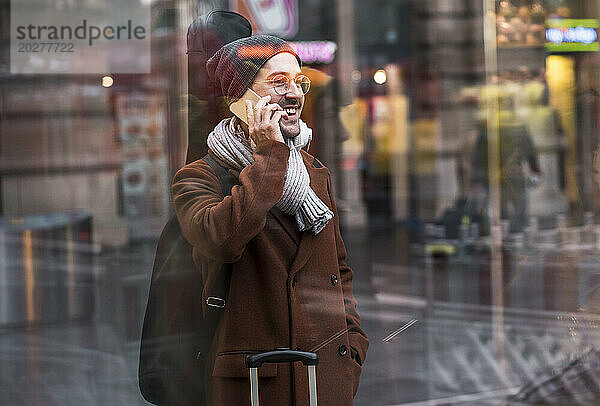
[[342, 350], [334, 279]]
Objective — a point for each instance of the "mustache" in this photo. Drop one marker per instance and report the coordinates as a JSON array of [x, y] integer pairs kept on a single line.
[[292, 104]]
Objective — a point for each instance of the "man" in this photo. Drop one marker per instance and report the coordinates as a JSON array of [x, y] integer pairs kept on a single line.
[[515, 148], [290, 285]]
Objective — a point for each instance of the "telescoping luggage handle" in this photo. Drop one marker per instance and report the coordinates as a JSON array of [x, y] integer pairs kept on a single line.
[[309, 359]]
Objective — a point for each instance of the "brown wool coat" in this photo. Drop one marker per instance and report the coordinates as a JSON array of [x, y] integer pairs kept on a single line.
[[288, 288]]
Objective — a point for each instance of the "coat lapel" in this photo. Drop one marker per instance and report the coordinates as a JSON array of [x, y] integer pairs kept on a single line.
[[318, 182], [288, 223]]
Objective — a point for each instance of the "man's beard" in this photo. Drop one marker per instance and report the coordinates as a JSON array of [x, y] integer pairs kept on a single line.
[[289, 131]]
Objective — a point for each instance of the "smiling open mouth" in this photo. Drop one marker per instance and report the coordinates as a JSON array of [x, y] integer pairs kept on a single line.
[[291, 112]]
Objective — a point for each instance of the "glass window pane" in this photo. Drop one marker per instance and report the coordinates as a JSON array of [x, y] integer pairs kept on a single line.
[[454, 142]]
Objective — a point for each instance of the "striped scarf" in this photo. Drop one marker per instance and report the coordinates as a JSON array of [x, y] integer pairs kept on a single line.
[[298, 199]]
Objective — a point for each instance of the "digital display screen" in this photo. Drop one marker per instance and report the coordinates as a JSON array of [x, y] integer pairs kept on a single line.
[[572, 35]]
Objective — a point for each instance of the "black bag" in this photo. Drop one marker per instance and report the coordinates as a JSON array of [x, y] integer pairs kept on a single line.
[[465, 211], [169, 372], [175, 335], [204, 37]]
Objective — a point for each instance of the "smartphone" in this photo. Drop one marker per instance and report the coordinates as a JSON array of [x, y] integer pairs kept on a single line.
[[239, 107]]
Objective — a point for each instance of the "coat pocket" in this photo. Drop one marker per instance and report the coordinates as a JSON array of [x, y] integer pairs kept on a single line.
[[234, 366], [356, 371], [337, 373]]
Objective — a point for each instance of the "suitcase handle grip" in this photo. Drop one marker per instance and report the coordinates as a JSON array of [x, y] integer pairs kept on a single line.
[[279, 356]]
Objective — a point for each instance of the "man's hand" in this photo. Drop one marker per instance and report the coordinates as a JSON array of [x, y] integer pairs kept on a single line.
[[263, 120]]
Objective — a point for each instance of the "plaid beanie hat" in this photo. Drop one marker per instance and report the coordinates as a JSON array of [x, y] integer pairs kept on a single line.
[[235, 65]]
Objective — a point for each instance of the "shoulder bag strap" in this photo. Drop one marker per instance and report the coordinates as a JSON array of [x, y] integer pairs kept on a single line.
[[218, 296]]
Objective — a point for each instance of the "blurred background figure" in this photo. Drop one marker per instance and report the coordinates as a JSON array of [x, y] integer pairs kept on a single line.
[[516, 149]]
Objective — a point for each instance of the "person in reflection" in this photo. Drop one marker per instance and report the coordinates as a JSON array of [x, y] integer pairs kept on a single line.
[[515, 148], [290, 285]]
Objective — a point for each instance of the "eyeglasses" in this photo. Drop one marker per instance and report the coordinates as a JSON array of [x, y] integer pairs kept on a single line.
[[281, 84]]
